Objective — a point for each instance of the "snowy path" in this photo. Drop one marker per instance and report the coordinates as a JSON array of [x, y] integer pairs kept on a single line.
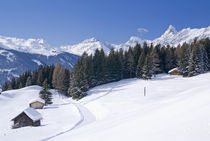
[[86, 117]]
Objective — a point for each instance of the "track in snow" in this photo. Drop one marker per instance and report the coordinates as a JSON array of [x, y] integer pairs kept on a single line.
[[96, 98], [86, 117]]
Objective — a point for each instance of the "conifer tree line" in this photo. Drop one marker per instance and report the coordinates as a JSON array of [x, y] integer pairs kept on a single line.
[[49, 77], [138, 62]]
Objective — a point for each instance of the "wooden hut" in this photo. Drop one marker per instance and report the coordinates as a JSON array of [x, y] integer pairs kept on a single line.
[[174, 71], [37, 104], [29, 117]]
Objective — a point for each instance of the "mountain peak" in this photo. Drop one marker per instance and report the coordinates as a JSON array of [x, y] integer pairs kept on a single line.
[[90, 40], [134, 38], [170, 30], [33, 46]]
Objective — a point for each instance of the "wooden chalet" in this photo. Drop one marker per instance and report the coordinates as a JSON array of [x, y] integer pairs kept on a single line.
[[29, 117], [174, 71], [37, 104]]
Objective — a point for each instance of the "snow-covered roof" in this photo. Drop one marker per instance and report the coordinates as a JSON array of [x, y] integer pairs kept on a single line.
[[173, 70], [37, 100], [32, 114]]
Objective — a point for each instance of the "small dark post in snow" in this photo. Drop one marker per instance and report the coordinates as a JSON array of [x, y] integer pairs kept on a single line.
[[144, 91]]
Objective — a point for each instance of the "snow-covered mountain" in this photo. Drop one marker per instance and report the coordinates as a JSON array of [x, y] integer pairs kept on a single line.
[[39, 46], [170, 37], [130, 43], [118, 111], [13, 62], [174, 38], [18, 55], [89, 46], [33, 46]]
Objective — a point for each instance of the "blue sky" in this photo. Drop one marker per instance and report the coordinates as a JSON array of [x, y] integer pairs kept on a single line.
[[62, 22]]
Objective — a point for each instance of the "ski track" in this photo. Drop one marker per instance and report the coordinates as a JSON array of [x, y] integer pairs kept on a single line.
[[73, 127], [96, 98], [86, 117]]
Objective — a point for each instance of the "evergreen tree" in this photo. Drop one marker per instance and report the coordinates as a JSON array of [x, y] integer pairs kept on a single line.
[[199, 59], [40, 78], [194, 68], [45, 94], [13, 83], [155, 59], [50, 76], [147, 68], [122, 63], [34, 77], [29, 81], [56, 76], [207, 47], [126, 72], [170, 59], [98, 67], [203, 57], [140, 63], [183, 63], [136, 54], [130, 63], [81, 77], [114, 66], [5, 86]]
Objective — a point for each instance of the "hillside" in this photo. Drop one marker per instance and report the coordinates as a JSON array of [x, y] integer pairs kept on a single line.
[[174, 106], [13, 63]]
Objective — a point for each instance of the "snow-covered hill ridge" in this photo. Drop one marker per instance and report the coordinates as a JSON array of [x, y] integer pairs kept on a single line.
[[174, 108], [170, 37]]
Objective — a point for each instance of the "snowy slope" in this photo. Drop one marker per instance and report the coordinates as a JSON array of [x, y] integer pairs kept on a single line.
[[33, 46], [57, 117], [175, 109]]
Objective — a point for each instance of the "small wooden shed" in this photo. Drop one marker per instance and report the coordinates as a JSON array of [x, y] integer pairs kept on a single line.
[[29, 117], [37, 104], [174, 71]]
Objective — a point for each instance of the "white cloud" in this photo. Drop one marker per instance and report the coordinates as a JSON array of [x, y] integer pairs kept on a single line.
[[142, 30]]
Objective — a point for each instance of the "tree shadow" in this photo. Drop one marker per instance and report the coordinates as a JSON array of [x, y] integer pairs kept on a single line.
[[51, 107]]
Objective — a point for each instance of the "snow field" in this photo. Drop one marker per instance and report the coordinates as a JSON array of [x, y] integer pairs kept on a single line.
[[174, 108]]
